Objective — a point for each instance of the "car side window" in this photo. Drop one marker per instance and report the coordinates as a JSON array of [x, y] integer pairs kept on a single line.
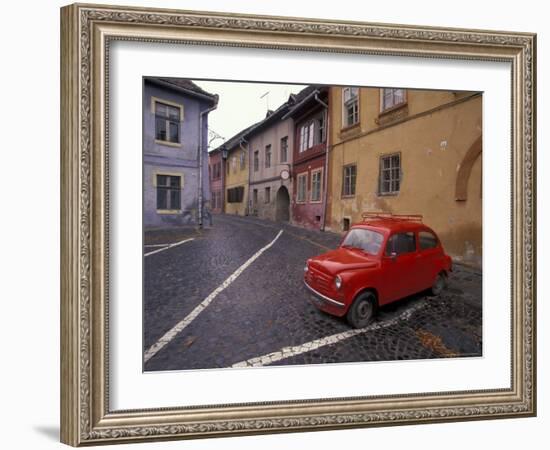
[[401, 243], [427, 240]]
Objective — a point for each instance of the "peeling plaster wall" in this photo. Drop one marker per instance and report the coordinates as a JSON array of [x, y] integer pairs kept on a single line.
[[432, 147]]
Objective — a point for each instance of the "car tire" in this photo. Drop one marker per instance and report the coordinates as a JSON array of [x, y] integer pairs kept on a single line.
[[439, 284], [361, 312]]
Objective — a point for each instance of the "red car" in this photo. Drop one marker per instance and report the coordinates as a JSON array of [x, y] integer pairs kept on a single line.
[[380, 260]]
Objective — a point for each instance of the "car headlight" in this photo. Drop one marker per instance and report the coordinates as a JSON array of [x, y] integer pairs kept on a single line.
[[306, 268], [338, 282]]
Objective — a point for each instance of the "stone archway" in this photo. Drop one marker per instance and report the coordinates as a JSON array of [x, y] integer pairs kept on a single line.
[[282, 202], [463, 175]]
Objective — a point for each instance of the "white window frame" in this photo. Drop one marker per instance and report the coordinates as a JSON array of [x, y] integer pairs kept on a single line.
[[314, 172], [299, 177], [394, 104], [352, 101]]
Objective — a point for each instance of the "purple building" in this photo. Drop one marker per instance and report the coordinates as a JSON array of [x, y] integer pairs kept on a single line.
[[175, 156]]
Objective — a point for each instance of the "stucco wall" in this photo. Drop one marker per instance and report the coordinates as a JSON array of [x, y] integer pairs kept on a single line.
[[237, 177], [432, 148], [270, 176], [168, 159]]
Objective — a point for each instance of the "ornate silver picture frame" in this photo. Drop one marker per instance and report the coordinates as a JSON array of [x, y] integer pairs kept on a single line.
[[87, 33]]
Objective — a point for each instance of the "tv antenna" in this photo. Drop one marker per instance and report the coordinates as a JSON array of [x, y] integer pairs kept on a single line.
[[266, 95]]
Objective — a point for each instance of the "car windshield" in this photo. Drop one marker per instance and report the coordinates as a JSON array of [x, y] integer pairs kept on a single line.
[[366, 240]]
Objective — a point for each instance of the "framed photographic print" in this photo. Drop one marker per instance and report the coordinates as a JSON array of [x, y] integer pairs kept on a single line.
[[279, 224]]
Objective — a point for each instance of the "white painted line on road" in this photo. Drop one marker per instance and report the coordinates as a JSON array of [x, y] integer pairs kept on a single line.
[[171, 334], [156, 245], [288, 352], [169, 246]]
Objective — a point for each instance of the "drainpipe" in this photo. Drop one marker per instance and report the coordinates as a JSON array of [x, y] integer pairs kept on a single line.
[[325, 177], [201, 115], [247, 152]]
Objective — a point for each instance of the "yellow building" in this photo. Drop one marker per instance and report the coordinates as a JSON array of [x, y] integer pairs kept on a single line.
[[408, 151], [236, 177]]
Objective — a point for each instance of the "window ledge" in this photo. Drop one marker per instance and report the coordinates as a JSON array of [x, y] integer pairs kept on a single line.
[[350, 127], [392, 109], [167, 143], [168, 211], [347, 197], [388, 194]]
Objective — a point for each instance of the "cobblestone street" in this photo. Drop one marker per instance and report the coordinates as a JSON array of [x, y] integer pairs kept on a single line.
[[200, 313]]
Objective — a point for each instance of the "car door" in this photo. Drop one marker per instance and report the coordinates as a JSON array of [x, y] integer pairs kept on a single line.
[[429, 253], [399, 266]]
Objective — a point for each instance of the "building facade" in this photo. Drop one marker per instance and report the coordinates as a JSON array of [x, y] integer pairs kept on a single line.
[[175, 156], [236, 175], [409, 152], [309, 171], [271, 147], [216, 168]]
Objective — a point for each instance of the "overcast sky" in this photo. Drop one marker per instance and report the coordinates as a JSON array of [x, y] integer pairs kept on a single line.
[[240, 104]]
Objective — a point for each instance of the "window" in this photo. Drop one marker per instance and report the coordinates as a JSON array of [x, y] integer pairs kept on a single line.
[[168, 192], [268, 155], [217, 171], [346, 224], [243, 160], [284, 149], [267, 195], [390, 174], [316, 185], [301, 188], [256, 161], [350, 175], [234, 164], [235, 195], [320, 129], [350, 106], [390, 98], [306, 136], [312, 132], [167, 122], [427, 240], [216, 200], [401, 243], [255, 197]]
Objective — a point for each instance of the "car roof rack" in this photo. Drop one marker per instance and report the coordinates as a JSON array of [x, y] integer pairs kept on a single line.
[[380, 215]]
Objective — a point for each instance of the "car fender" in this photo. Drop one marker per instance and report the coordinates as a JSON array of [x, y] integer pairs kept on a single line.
[[355, 282]]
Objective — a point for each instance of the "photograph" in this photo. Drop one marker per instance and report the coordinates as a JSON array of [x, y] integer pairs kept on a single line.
[[300, 224]]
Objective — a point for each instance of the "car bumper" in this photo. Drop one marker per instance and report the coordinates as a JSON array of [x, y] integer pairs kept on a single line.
[[325, 303]]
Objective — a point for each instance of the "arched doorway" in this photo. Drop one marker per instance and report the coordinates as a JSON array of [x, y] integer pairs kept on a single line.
[[282, 213]]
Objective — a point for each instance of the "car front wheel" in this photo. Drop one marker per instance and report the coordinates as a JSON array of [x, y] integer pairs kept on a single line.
[[361, 311]]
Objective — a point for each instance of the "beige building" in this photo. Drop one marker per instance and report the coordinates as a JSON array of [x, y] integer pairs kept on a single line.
[[270, 147], [409, 152]]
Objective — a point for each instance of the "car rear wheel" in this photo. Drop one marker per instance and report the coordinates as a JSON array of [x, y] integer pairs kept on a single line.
[[439, 284], [361, 311]]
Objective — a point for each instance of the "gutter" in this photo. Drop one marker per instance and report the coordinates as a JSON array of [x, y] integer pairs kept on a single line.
[[247, 153], [201, 189], [325, 177]]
